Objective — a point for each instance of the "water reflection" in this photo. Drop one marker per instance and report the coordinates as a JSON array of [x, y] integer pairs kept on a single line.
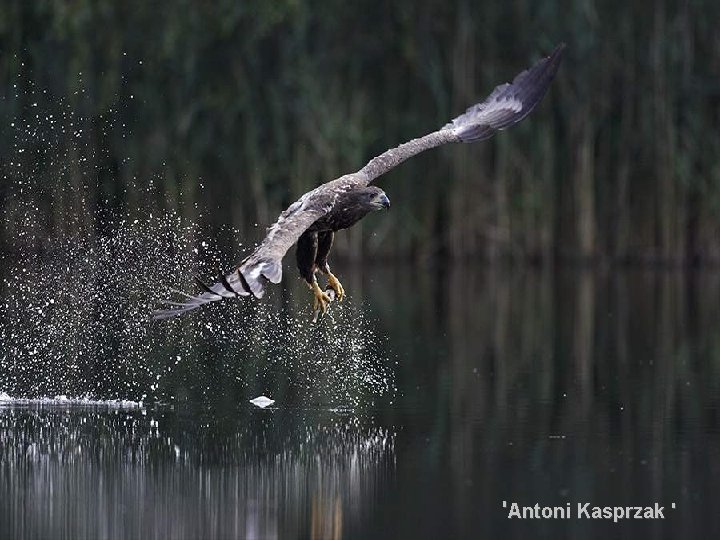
[[571, 386], [100, 473], [513, 384]]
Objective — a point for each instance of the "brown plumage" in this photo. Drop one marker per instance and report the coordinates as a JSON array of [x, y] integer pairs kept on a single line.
[[313, 219]]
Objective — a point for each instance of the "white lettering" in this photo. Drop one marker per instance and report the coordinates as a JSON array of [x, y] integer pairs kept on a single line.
[[618, 513], [583, 510], [658, 512], [531, 512], [538, 512]]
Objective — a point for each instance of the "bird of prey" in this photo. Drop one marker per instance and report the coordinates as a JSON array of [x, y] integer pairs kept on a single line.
[[312, 220]]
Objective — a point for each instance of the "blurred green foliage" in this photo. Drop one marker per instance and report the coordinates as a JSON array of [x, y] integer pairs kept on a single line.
[[233, 109]]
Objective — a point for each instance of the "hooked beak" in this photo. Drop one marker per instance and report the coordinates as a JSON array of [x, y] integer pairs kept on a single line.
[[384, 201]]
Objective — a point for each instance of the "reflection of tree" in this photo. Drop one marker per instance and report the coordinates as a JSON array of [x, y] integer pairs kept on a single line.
[[222, 473], [326, 518], [565, 387], [583, 336]]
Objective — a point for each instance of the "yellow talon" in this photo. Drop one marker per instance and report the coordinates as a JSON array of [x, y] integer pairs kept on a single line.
[[336, 286], [321, 300]]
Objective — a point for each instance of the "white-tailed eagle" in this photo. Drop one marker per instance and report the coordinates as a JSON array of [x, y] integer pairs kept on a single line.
[[312, 221]]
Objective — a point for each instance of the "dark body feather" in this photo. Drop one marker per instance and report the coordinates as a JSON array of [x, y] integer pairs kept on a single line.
[[349, 208], [314, 244]]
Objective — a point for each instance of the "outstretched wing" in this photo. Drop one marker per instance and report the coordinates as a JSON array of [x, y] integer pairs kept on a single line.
[[507, 105], [265, 262]]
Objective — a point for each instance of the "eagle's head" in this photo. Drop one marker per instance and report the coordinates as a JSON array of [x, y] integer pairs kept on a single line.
[[373, 198]]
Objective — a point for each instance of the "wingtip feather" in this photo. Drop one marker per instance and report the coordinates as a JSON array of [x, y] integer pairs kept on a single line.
[[508, 103]]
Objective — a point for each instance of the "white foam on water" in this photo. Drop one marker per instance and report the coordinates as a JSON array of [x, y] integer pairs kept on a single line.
[[262, 401], [7, 400]]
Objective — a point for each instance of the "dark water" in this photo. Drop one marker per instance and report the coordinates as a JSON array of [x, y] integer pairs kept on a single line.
[[435, 397]]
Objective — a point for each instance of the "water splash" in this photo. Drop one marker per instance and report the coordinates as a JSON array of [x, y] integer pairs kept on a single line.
[[77, 322], [7, 401], [74, 307]]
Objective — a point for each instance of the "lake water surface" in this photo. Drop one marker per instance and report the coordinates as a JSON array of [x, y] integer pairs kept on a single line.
[[430, 398]]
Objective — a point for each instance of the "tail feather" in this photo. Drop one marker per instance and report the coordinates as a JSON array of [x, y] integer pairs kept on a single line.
[[243, 281], [178, 308], [256, 272], [206, 288]]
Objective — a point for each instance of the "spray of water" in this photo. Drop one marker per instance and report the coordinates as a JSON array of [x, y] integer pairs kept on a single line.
[[74, 315]]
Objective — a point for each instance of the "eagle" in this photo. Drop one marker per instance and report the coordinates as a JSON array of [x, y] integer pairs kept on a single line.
[[312, 221]]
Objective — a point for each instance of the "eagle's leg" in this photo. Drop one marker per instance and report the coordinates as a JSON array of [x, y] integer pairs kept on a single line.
[[335, 285], [325, 240], [306, 254], [322, 299]]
